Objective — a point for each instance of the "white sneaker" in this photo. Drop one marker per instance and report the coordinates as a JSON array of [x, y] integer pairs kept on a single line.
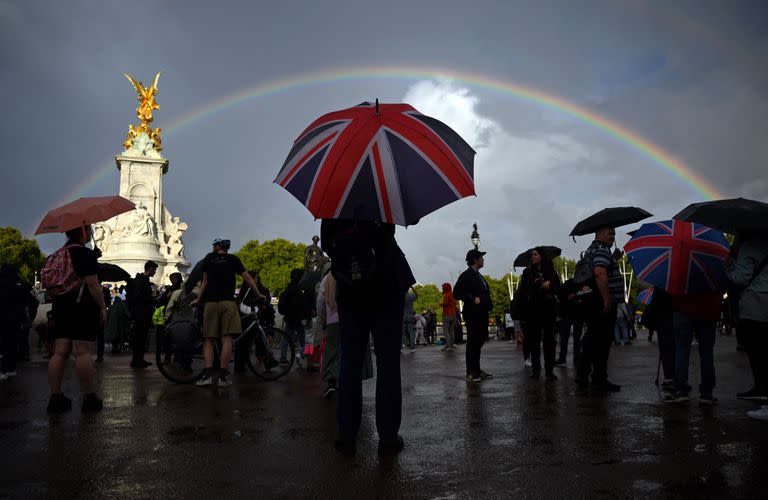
[[3, 376], [528, 362], [761, 414]]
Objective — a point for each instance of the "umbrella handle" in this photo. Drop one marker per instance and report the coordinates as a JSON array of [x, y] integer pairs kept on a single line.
[[377, 106]]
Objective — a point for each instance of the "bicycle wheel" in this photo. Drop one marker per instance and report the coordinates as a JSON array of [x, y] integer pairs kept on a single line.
[[264, 353], [179, 353]]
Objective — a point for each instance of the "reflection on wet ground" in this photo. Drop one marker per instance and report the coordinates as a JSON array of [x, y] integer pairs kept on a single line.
[[509, 436]]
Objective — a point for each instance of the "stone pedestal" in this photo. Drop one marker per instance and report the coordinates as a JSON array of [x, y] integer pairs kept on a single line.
[[149, 232]]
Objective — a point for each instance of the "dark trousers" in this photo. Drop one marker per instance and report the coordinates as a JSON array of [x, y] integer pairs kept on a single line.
[[666, 346], [140, 337], [536, 332], [477, 332], [100, 343], [755, 337], [596, 345], [566, 325], [458, 333], [526, 345], [358, 317], [9, 336], [684, 328]]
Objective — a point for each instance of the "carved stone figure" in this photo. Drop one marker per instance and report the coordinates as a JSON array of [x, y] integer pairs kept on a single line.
[[175, 230], [143, 223]]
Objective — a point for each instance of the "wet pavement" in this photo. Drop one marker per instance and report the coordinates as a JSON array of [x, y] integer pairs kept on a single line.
[[503, 438]]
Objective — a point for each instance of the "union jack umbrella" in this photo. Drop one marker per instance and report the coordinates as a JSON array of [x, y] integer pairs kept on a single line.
[[387, 163], [680, 257], [645, 296]]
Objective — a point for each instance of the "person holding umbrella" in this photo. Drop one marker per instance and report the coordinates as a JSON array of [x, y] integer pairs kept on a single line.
[[538, 290], [596, 343]]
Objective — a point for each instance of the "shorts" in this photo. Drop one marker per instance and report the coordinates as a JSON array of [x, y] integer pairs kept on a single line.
[[221, 318], [76, 322]]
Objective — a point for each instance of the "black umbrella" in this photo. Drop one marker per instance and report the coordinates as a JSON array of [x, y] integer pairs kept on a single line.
[[112, 273], [524, 259], [731, 216], [609, 217]]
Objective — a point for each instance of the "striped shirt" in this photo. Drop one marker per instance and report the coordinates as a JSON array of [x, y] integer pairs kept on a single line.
[[602, 257]]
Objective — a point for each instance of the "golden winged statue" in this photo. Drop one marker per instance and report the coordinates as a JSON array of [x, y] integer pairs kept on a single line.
[[147, 104]]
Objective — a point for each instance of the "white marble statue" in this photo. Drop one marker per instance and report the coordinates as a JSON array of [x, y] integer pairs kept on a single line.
[[143, 223], [175, 231]]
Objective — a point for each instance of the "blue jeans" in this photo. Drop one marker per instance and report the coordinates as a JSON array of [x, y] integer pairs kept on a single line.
[[621, 330], [684, 328], [292, 330]]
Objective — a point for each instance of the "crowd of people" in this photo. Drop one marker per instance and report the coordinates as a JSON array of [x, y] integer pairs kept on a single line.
[[364, 292]]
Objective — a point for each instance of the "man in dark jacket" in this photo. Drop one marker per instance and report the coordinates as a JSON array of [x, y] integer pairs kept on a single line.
[[141, 303], [372, 276], [293, 305], [473, 290]]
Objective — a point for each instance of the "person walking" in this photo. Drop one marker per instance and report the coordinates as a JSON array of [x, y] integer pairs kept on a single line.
[[695, 316], [538, 290], [221, 318], [372, 276], [294, 304], [78, 313], [596, 343], [409, 318], [747, 269], [14, 295], [474, 291], [141, 302], [449, 316]]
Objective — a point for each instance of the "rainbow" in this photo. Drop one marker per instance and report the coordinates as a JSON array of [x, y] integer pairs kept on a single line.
[[641, 145]]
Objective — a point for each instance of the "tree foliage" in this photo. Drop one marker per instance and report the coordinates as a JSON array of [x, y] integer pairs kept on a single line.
[[274, 260], [430, 297], [24, 253]]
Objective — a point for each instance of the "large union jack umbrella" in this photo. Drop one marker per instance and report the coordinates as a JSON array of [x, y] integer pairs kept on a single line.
[[386, 162], [680, 257]]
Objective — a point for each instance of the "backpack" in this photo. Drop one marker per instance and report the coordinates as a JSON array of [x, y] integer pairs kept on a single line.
[[58, 275], [588, 301], [354, 266], [293, 302]]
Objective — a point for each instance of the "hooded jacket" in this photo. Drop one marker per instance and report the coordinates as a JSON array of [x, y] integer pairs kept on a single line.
[[449, 303], [471, 284]]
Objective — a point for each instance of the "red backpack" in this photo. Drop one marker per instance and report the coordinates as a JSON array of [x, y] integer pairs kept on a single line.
[[58, 276]]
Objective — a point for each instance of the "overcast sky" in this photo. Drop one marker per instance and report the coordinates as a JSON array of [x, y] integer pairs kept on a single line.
[[689, 76]]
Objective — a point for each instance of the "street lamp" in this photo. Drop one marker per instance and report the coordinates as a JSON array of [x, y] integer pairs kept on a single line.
[[475, 238]]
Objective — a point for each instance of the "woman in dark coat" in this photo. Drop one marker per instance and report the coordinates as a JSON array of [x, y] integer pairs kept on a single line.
[[538, 309]]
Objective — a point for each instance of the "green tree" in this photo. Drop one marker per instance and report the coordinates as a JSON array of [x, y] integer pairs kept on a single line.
[[430, 297], [564, 264], [274, 260], [499, 295], [24, 253]]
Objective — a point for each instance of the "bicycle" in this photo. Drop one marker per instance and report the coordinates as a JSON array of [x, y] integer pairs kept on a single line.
[[179, 350]]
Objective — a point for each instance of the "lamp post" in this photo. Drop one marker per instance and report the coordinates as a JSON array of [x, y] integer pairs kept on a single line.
[[475, 238]]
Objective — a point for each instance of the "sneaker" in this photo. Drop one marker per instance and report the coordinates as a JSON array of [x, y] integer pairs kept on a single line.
[[59, 403], [759, 414], [472, 378], [205, 378], [224, 379], [707, 400], [753, 394], [91, 403], [485, 376], [528, 362], [677, 397], [389, 448], [3, 376]]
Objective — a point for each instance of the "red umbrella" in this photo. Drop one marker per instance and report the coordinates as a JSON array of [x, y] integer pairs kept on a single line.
[[383, 162], [82, 212]]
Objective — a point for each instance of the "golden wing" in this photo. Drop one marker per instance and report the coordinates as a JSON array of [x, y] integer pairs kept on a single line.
[[140, 90], [154, 83]]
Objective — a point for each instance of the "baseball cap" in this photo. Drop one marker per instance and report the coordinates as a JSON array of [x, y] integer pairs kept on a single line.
[[222, 242], [474, 254]]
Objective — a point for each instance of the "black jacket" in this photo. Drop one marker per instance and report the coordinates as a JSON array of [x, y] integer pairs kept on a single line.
[[140, 300], [471, 284], [535, 302], [392, 273], [14, 297]]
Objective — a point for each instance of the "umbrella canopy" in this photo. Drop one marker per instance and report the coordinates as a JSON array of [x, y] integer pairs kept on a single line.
[[524, 259], [82, 212], [732, 216], [645, 296], [679, 257], [112, 273], [386, 163], [611, 217]]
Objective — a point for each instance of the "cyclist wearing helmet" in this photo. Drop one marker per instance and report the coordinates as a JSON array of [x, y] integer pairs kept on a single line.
[[221, 317]]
